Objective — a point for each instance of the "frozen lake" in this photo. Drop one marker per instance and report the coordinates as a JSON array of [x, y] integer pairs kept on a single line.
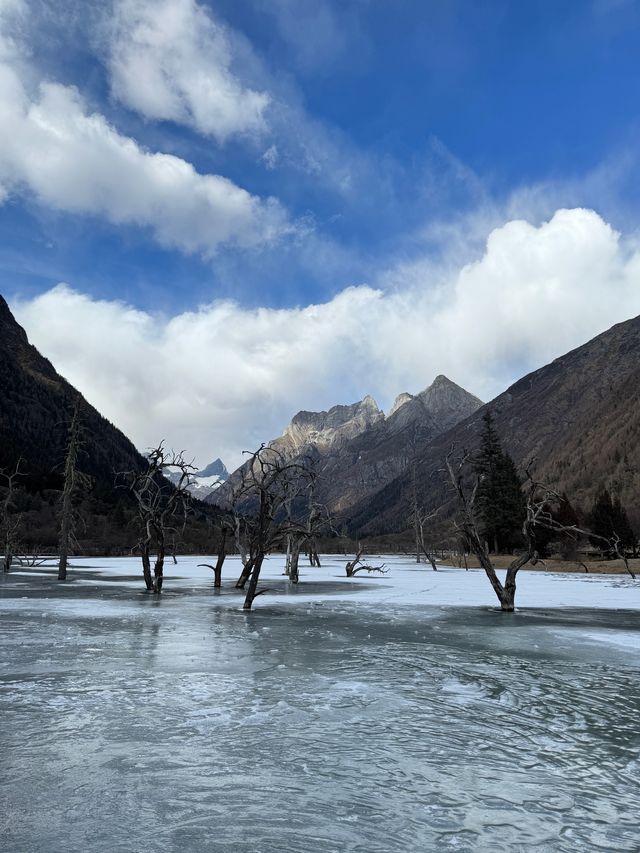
[[394, 713]]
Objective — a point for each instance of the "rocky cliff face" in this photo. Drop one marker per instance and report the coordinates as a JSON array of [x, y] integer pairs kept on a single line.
[[357, 449], [331, 429]]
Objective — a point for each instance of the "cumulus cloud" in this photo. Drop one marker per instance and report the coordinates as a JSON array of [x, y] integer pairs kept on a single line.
[[72, 159], [224, 378], [170, 60]]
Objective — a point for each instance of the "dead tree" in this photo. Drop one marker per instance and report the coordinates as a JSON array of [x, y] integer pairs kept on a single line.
[[538, 514], [74, 482], [10, 520], [222, 553], [421, 519], [619, 550], [269, 484], [305, 522], [349, 568], [162, 508], [356, 565]]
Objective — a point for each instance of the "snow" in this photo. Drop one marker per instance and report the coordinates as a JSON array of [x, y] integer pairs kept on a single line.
[[406, 583], [379, 713]]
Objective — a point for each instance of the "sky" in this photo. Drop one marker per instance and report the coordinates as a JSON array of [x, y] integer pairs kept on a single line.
[[215, 213]]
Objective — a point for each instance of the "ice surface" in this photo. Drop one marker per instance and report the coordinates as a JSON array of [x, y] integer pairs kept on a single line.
[[381, 713]]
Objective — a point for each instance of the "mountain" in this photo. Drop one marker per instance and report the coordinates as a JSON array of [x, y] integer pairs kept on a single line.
[[36, 405], [357, 449], [578, 416], [327, 430], [204, 482]]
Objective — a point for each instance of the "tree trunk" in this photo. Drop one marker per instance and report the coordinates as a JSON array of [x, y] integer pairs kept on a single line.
[[294, 574], [63, 544], [158, 571], [62, 567], [246, 571], [222, 553], [287, 562], [8, 559], [253, 582], [146, 566]]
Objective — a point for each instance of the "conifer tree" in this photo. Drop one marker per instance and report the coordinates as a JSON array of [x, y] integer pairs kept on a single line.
[[500, 501], [608, 519]]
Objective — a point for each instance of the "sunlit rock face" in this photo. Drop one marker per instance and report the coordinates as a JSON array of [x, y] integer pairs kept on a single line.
[[332, 428]]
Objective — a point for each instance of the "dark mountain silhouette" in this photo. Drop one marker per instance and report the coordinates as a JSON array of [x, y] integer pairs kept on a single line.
[[36, 405]]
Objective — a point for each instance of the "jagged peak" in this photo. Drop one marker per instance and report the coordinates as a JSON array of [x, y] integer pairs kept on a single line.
[[441, 379], [213, 469], [368, 402], [400, 400]]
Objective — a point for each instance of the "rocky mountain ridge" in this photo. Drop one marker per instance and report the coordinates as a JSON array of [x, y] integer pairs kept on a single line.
[[356, 448]]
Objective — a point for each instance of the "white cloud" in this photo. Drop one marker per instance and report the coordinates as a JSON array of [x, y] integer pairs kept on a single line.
[[170, 60], [74, 160], [223, 378]]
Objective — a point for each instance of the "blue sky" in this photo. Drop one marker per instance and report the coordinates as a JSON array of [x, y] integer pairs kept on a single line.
[[259, 157]]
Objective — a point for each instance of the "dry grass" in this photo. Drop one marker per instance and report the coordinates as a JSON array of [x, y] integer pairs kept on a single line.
[[600, 567]]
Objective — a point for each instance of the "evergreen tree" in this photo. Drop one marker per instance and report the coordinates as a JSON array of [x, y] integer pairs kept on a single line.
[[500, 501], [608, 519], [551, 538]]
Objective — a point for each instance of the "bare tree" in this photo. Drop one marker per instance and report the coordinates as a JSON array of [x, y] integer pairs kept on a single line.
[[356, 565], [269, 485], [74, 482], [422, 517], [304, 531], [538, 514], [162, 508], [225, 530], [10, 520]]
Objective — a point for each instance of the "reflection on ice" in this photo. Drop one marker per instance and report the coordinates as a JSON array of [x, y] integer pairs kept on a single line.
[[390, 714]]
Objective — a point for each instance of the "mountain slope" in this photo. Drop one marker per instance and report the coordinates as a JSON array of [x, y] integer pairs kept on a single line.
[[578, 416], [35, 408], [36, 404]]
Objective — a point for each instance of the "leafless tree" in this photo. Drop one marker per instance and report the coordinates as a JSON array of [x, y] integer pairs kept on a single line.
[[539, 503], [356, 565], [304, 531], [269, 485], [422, 518], [162, 508], [74, 482], [10, 520], [226, 529]]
